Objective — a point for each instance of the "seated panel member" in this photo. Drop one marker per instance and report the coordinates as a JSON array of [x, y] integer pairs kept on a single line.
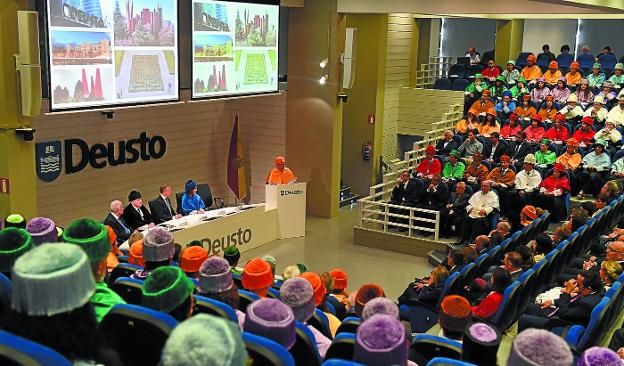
[[162, 210], [115, 220], [280, 174], [191, 201], [135, 214]]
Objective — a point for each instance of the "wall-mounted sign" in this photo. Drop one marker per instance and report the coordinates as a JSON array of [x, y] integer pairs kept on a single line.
[[78, 154]]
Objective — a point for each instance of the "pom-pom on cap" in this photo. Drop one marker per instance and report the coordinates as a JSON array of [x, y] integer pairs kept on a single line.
[[51, 279], [318, 286], [340, 278], [380, 305], [299, 295], [166, 288], [380, 340], [599, 356], [455, 313], [539, 347], [205, 340], [192, 258], [215, 276], [91, 236], [42, 230], [272, 319], [480, 344], [14, 242], [257, 275], [15, 220], [158, 245]]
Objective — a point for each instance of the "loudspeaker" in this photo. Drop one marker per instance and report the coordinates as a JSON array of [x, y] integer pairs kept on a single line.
[[27, 63], [349, 58]]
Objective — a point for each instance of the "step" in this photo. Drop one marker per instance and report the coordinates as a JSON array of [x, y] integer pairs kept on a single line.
[[349, 200], [436, 257]]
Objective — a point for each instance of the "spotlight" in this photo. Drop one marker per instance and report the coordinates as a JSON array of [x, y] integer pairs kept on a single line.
[[323, 80], [324, 63]]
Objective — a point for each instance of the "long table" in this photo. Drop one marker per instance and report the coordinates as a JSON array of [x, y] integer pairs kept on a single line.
[[247, 227]]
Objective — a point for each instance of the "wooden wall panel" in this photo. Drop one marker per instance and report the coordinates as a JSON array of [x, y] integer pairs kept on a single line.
[[397, 71], [197, 135]]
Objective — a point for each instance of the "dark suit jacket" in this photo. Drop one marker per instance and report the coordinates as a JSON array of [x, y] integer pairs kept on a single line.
[[412, 193], [133, 218], [525, 148], [578, 311], [445, 151], [459, 202], [160, 213], [436, 200], [122, 235], [499, 151]]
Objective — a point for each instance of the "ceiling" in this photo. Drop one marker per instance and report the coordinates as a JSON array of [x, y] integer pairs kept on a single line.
[[516, 9]]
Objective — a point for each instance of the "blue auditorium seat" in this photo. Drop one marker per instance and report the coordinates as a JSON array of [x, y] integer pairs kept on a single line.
[[129, 289], [425, 347], [457, 71], [264, 351], [444, 361], [349, 325], [304, 350], [246, 298], [459, 84], [504, 316], [423, 316], [342, 346], [320, 322], [6, 289], [136, 333], [581, 337], [274, 293], [15, 350], [122, 270], [442, 84], [206, 305], [337, 362], [522, 59]]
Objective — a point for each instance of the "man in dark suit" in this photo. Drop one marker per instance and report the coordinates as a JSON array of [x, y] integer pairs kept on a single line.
[[135, 214], [407, 192], [454, 211], [115, 220], [577, 300], [494, 150], [161, 207], [446, 145], [518, 150]]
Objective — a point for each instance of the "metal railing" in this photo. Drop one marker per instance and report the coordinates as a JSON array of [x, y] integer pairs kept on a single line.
[[436, 68], [376, 213]]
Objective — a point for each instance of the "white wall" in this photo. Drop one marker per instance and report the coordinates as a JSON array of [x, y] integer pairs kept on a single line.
[[461, 33], [555, 33]]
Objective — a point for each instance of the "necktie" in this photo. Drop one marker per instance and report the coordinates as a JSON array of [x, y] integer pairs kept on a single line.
[[126, 230], [168, 204], [140, 213]]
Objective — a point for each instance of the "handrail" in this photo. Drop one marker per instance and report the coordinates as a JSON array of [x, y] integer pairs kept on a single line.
[[371, 215]]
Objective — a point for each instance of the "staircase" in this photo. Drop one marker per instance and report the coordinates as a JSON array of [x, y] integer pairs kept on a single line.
[[436, 257], [347, 197]]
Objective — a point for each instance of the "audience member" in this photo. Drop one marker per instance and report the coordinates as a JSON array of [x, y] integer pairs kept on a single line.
[[558, 133], [491, 72], [339, 296], [257, 277], [595, 356], [525, 110], [475, 91], [232, 255], [469, 123], [42, 230], [534, 132], [538, 347], [594, 170], [488, 307], [489, 124], [476, 172], [453, 213], [509, 130], [364, 295], [454, 316], [542, 245], [272, 319], [480, 344], [480, 207], [427, 290], [380, 305], [14, 242], [205, 340], [493, 151], [552, 75], [474, 56], [519, 149], [447, 144], [191, 259], [540, 92], [168, 290], [484, 103], [498, 88], [519, 89], [290, 272], [158, 251], [135, 254], [586, 59], [381, 340], [573, 77], [611, 135], [572, 111], [215, 282], [526, 183], [496, 237], [618, 77], [15, 220], [560, 92], [596, 77], [502, 177], [429, 165], [453, 169], [510, 73], [584, 94], [548, 110], [552, 193], [616, 114], [408, 193], [531, 71], [585, 135], [598, 113]]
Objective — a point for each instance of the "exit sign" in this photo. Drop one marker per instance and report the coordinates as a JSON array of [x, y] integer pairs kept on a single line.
[[4, 185]]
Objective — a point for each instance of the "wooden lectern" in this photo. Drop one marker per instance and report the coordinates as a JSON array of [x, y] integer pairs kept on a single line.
[[290, 202]]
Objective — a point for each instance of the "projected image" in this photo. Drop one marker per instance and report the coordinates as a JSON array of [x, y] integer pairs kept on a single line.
[[211, 48], [80, 48], [212, 78], [210, 17], [255, 27], [145, 73], [82, 86], [253, 69], [80, 13], [144, 23]]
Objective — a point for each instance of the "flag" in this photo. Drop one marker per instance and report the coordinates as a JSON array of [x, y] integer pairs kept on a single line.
[[236, 164]]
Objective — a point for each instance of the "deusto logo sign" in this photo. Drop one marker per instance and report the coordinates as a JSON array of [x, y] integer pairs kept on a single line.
[[215, 246], [290, 192], [48, 154]]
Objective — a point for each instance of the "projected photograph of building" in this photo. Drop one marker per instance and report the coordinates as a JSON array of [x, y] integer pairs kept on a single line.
[[145, 73], [144, 23], [255, 29], [80, 48], [80, 13], [212, 48], [212, 78], [82, 86], [210, 17]]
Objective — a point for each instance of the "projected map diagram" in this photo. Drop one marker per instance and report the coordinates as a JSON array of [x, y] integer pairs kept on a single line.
[[255, 69], [145, 73]]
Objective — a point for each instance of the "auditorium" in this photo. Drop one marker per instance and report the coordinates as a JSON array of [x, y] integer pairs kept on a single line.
[[311, 182]]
